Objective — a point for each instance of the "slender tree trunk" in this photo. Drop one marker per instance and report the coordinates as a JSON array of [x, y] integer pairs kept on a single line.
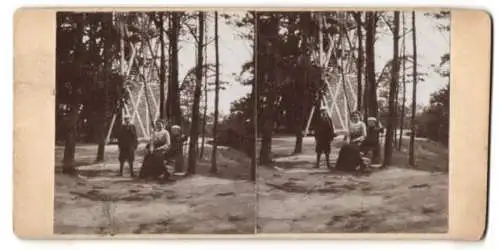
[[305, 18], [213, 168], [255, 101], [359, 63], [162, 66], [173, 109], [70, 144], [414, 95], [266, 68], [392, 92], [402, 114], [195, 120], [173, 99], [108, 44], [370, 65], [396, 108], [371, 104], [73, 116], [205, 94]]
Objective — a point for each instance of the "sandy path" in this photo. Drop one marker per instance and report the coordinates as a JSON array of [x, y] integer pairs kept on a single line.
[[295, 197], [98, 201]]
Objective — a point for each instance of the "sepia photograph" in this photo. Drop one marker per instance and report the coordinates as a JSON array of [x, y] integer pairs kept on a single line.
[[152, 130], [241, 123], [353, 122]]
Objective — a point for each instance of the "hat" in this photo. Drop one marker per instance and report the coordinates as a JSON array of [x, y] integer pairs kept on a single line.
[[372, 119]]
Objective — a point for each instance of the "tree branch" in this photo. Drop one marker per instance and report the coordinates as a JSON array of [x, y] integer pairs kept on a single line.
[[388, 24], [405, 33], [192, 32], [357, 17]]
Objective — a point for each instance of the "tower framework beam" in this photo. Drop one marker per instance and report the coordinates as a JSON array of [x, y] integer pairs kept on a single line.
[[337, 66]]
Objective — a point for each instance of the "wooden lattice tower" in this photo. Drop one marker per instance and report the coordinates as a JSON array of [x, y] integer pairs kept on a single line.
[[338, 66], [140, 73]]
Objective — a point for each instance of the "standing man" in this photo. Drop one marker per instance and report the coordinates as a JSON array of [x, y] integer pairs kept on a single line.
[[127, 144], [324, 134]]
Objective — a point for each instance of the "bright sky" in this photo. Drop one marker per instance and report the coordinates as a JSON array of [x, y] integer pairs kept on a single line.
[[235, 51], [431, 45]]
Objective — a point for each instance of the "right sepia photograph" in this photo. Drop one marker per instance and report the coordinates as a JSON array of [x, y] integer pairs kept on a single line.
[[353, 121]]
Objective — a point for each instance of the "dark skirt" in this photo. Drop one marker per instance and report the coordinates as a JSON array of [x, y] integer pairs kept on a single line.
[[153, 166], [349, 158]]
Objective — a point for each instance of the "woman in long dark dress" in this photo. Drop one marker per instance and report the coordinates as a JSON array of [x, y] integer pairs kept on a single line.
[[153, 165], [349, 158]]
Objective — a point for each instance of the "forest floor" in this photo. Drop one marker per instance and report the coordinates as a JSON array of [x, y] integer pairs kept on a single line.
[[294, 197], [98, 201]]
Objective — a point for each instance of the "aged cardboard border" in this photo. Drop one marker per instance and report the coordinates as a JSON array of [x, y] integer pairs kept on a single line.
[[34, 80]]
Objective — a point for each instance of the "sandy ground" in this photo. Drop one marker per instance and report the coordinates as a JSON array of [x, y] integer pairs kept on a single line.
[[293, 197], [296, 198], [100, 202]]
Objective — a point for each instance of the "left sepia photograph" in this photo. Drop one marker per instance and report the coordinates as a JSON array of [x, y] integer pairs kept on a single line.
[[154, 123]]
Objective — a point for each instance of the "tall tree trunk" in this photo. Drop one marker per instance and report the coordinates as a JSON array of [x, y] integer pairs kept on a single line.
[[173, 109], [255, 103], [305, 19], [162, 66], [371, 89], [359, 63], [73, 116], [213, 168], [108, 44], [414, 95], [195, 118], [173, 98], [205, 94], [266, 68], [402, 113], [370, 94], [70, 144], [392, 93]]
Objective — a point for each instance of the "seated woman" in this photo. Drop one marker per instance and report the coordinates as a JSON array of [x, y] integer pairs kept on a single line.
[[153, 165], [349, 158]]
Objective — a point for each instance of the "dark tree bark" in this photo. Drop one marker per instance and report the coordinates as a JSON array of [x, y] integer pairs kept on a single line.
[[70, 144], [266, 69], [173, 105], [360, 61], [103, 117], [392, 93], [414, 94], [213, 168], [255, 98], [73, 116], [403, 111], [160, 24], [195, 118], [370, 64], [173, 98], [205, 94], [370, 94], [305, 19]]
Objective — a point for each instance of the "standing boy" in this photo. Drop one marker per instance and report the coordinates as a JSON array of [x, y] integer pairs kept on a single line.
[[324, 134], [127, 144]]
